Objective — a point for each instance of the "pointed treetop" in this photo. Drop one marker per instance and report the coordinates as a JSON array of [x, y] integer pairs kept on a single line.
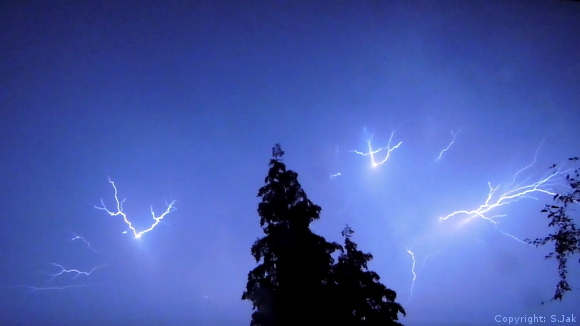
[[277, 151], [347, 232]]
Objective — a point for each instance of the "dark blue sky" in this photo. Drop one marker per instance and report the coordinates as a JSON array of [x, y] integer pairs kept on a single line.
[[184, 101]]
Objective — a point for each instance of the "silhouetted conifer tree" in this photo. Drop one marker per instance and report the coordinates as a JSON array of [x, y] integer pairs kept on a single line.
[[361, 298], [290, 284]]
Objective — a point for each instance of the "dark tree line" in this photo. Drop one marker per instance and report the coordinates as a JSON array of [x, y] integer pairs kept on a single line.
[[297, 281], [566, 237]]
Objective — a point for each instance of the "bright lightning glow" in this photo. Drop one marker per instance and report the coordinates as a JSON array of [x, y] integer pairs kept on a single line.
[[414, 274], [512, 194], [332, 176], [448, 146], [372, 152], [84, 240], [119, 211], [76, 272]]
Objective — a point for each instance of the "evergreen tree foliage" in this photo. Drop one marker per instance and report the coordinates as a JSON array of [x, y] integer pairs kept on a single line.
[[360, 297], [297, 281], [290, 284], [566, 239]]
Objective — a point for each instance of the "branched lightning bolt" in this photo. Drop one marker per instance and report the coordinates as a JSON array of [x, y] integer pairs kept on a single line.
[[512, 194], [84, 240], [372, 152], [414, 274], [119, 211], [76, 272], [62, 271], [448, 146]]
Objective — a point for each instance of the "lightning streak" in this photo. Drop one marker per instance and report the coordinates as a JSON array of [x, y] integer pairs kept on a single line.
[[74, 271], [45, 288], [372, 152], [512, 194], [119, 211], [448, 146], [414, 274], [84, 240], [63, 270], [332, 176]]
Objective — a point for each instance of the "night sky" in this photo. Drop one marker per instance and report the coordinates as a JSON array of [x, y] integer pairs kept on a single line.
[[184, 101]]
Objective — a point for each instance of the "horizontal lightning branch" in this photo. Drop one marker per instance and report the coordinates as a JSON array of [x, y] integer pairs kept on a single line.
[[512, 193], [47, 288], [76, 272]]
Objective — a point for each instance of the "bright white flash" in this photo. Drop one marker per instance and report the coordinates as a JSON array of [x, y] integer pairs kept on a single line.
[[512, 193], [332, 176], [448, 146], [372, 152], [119, 211], [84, 240]]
